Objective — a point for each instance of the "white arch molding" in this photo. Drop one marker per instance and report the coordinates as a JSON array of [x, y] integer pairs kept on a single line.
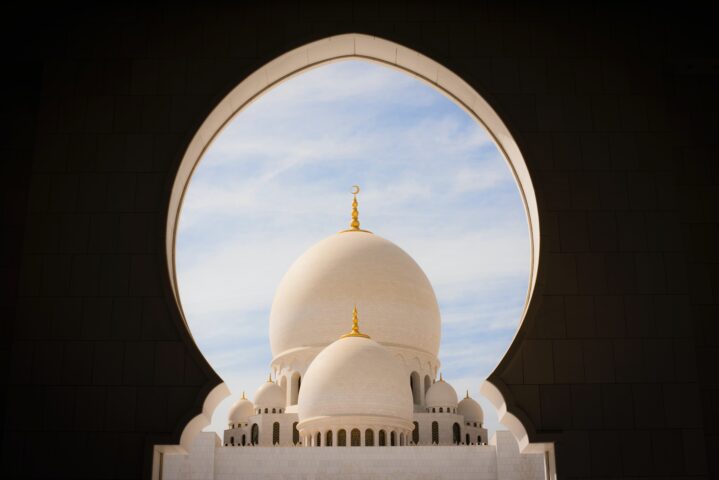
[[390, 54]]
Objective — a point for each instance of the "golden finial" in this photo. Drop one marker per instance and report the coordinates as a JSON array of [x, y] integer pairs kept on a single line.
[[243, 395], [355, 224], [467, 396], [355, 327], [269, 377]]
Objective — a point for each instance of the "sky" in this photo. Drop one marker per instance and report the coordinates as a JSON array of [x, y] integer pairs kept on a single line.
[[277, 180]]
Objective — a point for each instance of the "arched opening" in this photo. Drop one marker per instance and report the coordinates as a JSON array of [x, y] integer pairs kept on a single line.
[[414, 383], [382, 438], [294, 388], [427, 384], [415, 433], [479, 440], [373, 49], [275, 433], [255, 434], [435, 433], [342, 438], [232, 441], [355, 438], [392, 438], [466, 439], [295, 433], [441, 410], [369, 437], [456, 434], [328, 438], [318, 440], [243, 440]]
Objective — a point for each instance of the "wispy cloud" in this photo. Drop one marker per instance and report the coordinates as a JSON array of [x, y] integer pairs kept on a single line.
[[275, 182]]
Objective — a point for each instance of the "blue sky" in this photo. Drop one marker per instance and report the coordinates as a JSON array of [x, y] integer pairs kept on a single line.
[[277, 180]]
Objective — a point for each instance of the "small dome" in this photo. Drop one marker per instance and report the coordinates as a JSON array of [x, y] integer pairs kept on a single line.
[[270, 395], [441, 394], [241, 410], [355, 376], [470, 410]]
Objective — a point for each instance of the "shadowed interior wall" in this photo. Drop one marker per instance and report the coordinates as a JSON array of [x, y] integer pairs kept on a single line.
[[613, 107]]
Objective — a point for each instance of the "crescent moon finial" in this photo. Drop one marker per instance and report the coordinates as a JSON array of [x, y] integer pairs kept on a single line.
[[355, 189]]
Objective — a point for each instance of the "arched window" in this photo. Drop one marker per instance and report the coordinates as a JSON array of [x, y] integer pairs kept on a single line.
[[355, 438], [318, 440], [479, 439], [369, 438], [243, 439], [294, 388], [414, 383], [435, 432], [255, 434], [456, 434], [427, 384], [466, 439], [232, 441], [415, 433], [295, 434], [328, 438], [266, 410], [382, 438], [392, 441], [280, 410], [342, 438], [274, 410], [441, 410], [475, 424], [275, 433], [434, 410]]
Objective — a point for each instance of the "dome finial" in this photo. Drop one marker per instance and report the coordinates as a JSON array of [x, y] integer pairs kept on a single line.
[[440, 377], [269, 377], [243, 395], [355, 224], [355, 326], [467, 396]]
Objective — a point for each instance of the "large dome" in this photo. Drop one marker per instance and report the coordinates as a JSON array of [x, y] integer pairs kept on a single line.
[[355, 376], [355, 268]]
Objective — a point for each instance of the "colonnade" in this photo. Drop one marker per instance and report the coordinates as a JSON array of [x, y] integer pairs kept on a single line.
[[348, 437]]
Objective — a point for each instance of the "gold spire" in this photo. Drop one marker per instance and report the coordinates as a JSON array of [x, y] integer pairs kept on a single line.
[[467, 396], [269, 377], [243, 395], [355, 224], [355, 327]]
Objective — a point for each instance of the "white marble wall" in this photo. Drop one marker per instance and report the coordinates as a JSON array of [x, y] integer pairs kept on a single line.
[[500, 460]]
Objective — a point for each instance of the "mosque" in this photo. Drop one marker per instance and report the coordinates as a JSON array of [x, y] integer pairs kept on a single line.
[[355, 334]]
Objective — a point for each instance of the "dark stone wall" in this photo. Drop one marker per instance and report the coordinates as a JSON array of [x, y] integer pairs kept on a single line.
[[614, 107]]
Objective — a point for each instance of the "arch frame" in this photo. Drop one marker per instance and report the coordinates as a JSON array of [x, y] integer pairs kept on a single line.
[[393, 55]]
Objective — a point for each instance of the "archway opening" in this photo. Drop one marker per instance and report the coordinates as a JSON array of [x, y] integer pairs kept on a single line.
[[386, 54]]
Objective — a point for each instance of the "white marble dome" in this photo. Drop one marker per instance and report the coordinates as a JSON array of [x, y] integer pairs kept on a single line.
[[355, 376], [355, 268], [269, 395], [241, 410], [470, 410], [441, 394]]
